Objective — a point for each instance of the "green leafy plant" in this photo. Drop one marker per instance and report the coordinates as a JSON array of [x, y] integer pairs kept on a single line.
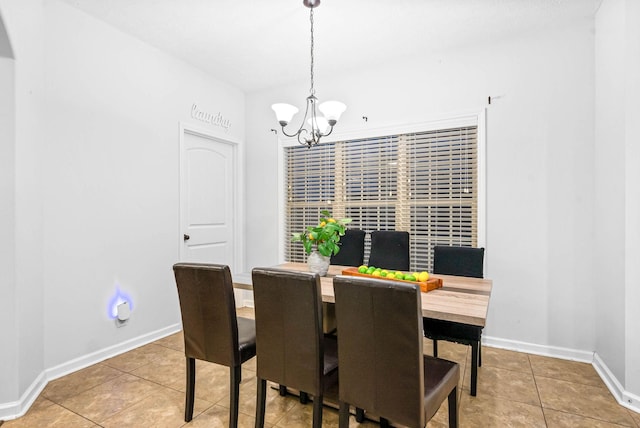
[[325, 236]]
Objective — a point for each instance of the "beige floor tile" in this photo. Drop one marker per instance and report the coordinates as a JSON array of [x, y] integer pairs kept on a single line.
[[246, 312], [111, 397], [138, 357], [174, 341], [250, 365], [247, 401], [556, 419], [585, 400], [486, 411], [502, 383], [452, 351], [82, 380], [40, 403], [275, 405], [301, 416], [571, 371], [635, 416], [212, 382], [505, 359], [218, 417], [168, 371], [53, 416], [163, 409]]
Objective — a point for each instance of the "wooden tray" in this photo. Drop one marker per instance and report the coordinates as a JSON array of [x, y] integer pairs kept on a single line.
[[430, 284]]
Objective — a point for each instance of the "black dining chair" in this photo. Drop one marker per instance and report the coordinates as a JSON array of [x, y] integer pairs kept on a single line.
[[460, 261], [389, 250], [291, 347], [383, 369], [351, 249], [212, 331]]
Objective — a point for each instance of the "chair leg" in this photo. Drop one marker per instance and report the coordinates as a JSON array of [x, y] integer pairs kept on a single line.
[[317, 411], [191, 389], [474, 367], [453, 408], [435, 348], [304, 397], [344, 415], [282, 389], [236, 377], [359, 415], [260, 402], [384, 423]]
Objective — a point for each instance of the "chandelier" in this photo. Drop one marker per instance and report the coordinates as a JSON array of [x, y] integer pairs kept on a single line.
[[320, 126]]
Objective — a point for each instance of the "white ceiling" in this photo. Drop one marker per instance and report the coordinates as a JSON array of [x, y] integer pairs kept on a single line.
[[258, 44]]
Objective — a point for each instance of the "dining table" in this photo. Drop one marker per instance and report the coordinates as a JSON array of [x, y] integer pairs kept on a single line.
[[462, 300]]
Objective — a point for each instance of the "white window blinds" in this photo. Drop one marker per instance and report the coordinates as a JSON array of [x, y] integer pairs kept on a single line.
[[424, 183]]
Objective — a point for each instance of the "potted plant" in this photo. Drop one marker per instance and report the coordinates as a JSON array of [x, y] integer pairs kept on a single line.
[[322, 241]]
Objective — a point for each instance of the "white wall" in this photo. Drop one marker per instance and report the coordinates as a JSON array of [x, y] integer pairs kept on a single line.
[[8, 333], [96, 187], [632, 197], [609, 173], [112, 177], [24, 22], [539, 162]]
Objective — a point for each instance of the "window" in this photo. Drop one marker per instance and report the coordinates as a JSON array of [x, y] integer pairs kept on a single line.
[[425, 183]]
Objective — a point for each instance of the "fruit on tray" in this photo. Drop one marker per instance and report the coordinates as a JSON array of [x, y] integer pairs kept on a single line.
[[391, 274]]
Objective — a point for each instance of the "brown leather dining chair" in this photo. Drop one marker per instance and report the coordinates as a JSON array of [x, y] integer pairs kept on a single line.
[[212, 331], [382, 366], [460, 261], [390, 250], [291, 347], [351, 249]]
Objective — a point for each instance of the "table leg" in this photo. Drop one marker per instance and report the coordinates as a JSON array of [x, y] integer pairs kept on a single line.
[[474, 366]]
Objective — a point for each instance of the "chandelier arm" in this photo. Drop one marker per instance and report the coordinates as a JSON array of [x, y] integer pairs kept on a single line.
[[290, 135], [328, 133], [304, 141]]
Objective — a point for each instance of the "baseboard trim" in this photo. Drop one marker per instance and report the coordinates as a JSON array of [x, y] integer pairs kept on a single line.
[[544, 350], [624, 398], [15, 409], [18, 408]]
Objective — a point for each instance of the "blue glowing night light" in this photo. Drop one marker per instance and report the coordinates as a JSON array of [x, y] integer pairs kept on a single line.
[[118, 298]]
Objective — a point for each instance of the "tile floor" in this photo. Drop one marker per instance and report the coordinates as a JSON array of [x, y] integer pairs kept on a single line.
[[145, 388]]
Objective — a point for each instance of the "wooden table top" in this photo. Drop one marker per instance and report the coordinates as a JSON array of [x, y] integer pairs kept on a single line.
[[461, 299]]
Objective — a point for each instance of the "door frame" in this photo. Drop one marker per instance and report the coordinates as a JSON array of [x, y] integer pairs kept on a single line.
[[237, 196]]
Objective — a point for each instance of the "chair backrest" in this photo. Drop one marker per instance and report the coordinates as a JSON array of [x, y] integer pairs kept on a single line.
[[289, 338], [380, 347], [351, 249], [208, 309], [390, 250], [461, 261]]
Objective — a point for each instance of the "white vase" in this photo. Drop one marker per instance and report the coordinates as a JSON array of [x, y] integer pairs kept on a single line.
[[318, 263]]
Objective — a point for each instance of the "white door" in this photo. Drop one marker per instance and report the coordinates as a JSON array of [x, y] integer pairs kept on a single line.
[[207, 188]]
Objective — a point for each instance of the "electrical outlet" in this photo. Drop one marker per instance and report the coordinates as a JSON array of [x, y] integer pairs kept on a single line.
[[123, 314]]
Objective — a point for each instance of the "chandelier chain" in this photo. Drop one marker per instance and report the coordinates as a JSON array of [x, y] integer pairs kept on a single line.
[[312, 90]]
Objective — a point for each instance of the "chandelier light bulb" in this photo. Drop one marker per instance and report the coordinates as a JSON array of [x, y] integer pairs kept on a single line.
[[284, 112], [332, 111]]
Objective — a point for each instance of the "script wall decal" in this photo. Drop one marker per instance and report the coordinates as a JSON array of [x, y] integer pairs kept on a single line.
[[210, 118]]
